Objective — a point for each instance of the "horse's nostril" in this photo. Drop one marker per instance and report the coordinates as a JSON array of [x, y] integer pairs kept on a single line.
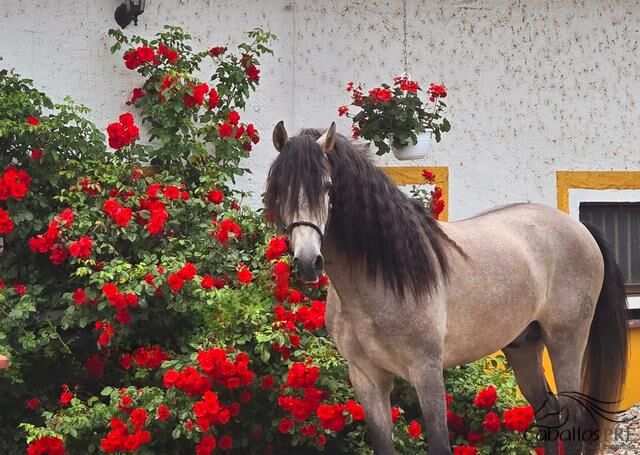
[[319, 263]]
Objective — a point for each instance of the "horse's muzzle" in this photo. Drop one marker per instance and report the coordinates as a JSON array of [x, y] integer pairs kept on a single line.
[[308, 269]]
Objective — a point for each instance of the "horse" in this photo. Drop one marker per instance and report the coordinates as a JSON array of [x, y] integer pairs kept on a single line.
[[410, 296]]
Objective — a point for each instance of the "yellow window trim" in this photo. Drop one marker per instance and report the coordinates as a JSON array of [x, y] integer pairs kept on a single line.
[[593, 180]]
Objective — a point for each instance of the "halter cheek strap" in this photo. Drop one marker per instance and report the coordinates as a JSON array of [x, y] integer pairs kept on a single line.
[[295, 224]]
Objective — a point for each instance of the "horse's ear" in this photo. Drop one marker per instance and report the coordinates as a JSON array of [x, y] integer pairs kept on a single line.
[[280, 136], [328, 139]]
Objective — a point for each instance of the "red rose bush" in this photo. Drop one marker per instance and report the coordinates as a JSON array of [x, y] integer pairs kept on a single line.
[[147, 310]]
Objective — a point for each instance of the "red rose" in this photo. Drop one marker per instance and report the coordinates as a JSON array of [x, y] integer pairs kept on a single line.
[[518, 418], [343, 110], [170, 54], [20, 289], [46, 445], [414, 429], [491, 422], [175, 282], [136, 94], [33, 121], [95, 365], [65, 398], [163, 413], [138, 417], [225, 442], [213, 98], [188, 271], [474, 438], [225, 130], [285, 425], [245, 276], [267, 383], [81, 248], [6, 224], [356, 411], [276, 248], [122, 133], [486, 397], [33, 404], [233, 117], [125, 361], [465, 450], [79, 296], [215, 196], [36, 154], [253, 73], [217, 50], [196, 98]]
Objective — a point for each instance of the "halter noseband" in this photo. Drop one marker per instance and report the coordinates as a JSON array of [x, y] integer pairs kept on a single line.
[[295, 224]]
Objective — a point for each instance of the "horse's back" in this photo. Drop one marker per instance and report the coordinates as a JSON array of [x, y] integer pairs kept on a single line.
[[525, 263]]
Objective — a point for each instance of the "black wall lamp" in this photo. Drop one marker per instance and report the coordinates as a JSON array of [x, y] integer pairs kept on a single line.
[[129, 11]]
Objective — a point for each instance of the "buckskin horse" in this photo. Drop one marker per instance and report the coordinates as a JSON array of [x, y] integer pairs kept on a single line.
[[410, 296]]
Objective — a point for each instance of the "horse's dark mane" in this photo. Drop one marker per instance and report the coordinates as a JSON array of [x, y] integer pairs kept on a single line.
[[370, 220]]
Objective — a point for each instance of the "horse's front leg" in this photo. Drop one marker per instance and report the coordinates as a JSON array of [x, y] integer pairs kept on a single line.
[[429, 384], [372, 388]]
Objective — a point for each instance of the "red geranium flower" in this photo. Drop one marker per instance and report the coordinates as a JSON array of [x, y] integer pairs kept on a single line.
[[437, 91]]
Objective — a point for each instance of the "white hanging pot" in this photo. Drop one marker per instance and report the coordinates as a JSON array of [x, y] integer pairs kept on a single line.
[[415, 151]]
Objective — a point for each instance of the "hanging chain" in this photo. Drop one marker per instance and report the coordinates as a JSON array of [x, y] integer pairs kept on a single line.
[[404, 34]]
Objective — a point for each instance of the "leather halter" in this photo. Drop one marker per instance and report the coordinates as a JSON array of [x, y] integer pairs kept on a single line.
[[295, 224]]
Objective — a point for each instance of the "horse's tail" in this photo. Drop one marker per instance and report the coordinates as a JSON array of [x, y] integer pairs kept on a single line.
[[604, 366]]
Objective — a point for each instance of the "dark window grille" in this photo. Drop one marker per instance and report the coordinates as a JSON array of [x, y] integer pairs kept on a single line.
[[620, 223]]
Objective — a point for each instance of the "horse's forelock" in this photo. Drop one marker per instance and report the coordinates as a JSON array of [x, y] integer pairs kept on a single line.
[[300, 168]]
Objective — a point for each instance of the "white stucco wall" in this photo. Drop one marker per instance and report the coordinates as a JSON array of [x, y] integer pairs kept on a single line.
[[534, 86]]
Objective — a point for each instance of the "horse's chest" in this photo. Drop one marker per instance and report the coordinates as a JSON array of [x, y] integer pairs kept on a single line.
[[361, 338]]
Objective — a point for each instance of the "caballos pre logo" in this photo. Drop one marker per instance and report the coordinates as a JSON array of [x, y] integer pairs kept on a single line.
[[556, 425]]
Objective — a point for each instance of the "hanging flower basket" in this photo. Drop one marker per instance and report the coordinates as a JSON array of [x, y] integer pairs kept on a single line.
[[393, 116]]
